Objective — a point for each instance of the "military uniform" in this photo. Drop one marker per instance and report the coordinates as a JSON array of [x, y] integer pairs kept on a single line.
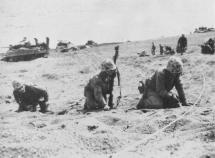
[[182, 44], [99, 86], [161, 49], [208, 47], [153, 49], [157, 92], [211, 44], [28, 97]]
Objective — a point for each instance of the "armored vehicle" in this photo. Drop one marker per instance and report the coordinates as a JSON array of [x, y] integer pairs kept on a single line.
[[65, 46], [27, 52]]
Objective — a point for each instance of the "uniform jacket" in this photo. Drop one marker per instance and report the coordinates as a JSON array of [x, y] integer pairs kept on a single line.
[[182, 41], [99, 87], [162, 82], [30, 96]]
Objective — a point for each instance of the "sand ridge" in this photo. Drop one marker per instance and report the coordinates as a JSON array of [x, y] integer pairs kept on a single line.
[[70, 132]]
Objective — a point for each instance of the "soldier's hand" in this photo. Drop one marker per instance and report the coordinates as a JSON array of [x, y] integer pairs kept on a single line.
[[106, 108], [173, 95], [111, 105], [141, 87], [41, 99]]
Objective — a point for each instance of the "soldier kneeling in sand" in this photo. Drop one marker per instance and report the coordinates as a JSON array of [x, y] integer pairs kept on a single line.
[[208, 47], [157, 90], [28, 97], [99, 86]]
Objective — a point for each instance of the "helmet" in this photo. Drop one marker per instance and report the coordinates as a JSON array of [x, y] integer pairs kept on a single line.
[[17, 85], [108, 65], [175, 65]]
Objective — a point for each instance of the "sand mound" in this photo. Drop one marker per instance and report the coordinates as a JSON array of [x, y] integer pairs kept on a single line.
[[72, 132]]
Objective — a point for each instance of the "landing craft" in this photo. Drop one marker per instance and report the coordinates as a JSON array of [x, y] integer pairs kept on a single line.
[[26, 53], [204, 30]]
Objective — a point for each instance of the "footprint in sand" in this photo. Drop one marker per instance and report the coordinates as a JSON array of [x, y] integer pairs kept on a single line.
[[208, 156], [112, 121]]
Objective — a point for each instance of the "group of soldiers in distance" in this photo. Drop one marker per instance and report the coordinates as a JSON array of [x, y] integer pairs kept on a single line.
[[181, 47], [206, 48], [156, 90]]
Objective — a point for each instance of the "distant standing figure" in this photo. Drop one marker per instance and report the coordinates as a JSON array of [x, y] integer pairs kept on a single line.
[[211, 43], [161, 49], [28, 97], [116, 49], [182, 44], [153, 48]]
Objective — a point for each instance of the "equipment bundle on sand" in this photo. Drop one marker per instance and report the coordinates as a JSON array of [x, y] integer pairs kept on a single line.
[[27, 52], [208, 47], [65, 46], [142, 54], [168, 50]]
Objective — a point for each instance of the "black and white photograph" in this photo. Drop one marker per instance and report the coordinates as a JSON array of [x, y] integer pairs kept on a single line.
[[107, 79]]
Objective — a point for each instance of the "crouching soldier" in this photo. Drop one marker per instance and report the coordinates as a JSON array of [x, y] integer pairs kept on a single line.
[[208, 47], [157, 90], [100, 86], [28, 97]]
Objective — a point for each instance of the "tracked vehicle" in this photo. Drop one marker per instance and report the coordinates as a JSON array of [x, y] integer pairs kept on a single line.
[[27, 52]]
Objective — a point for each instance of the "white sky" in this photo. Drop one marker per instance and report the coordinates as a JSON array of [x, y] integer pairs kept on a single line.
[[101, 20]]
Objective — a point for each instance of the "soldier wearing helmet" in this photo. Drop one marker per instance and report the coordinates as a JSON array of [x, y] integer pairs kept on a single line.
[[157, 90], [28, 97], [182, 44], [99, 86]]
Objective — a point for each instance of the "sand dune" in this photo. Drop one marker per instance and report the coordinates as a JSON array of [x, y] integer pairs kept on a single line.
[[73, 133]]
